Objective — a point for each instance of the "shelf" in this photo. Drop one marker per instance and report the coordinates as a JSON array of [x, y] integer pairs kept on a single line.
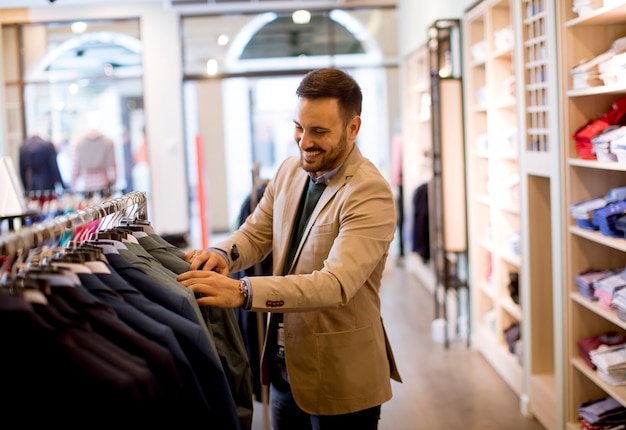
[[493, 179], [488, 289], [505, 363], [595, 164], [594, 91], [617, 243], [415, 73], [617, 392], [599, 310], [512, 308], [538, 163], [582, 179], [604, 15], [514, 260]]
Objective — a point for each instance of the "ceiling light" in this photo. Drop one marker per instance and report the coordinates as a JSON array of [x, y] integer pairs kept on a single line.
[[211, 67], [222, 40], [79, 27], [301, 16]]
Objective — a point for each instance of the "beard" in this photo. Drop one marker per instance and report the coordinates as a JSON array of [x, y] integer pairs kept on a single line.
[[327, 160]]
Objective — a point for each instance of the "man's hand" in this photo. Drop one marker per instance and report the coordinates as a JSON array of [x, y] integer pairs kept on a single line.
[[202, 259], [216, 289]]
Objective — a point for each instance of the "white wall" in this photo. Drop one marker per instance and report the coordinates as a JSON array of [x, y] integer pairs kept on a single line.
[[415, 16]]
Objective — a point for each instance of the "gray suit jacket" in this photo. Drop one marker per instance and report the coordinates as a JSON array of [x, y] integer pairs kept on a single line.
[[337, 352]]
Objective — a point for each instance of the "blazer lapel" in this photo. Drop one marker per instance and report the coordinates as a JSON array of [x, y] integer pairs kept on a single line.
[[352, 163]]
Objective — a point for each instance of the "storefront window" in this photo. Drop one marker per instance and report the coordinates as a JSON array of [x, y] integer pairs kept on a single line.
[[76, 77]]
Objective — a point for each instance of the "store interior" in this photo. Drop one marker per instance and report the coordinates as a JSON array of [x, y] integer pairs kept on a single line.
[[497, 102]]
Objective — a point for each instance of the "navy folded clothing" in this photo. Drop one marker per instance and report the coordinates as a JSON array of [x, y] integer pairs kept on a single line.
[[605, 218], [606, 411], [620, 224]]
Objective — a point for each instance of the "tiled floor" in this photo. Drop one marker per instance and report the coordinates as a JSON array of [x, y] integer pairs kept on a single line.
[[442, 389]]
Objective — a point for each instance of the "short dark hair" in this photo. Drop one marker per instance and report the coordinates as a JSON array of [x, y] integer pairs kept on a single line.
[[333, 83]]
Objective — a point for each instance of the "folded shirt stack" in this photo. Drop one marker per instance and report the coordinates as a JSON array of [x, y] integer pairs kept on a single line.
[[605, 289], [586, 281], [589, 344], [616, 115], [503, 39], [583, 7], [583, 212], [605, 218], [619, 303], [608, 139], [613, 71], [587, 73], [620, 224], [610, 362], [605, 413]]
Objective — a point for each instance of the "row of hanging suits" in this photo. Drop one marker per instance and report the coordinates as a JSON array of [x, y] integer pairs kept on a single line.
[[100, 333]]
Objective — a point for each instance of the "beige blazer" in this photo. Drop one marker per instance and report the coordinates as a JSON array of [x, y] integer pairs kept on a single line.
[[337, 352]]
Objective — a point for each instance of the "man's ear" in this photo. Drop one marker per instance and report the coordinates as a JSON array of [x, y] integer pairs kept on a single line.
[[353, 127]]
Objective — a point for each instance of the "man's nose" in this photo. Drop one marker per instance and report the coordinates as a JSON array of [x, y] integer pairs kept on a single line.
[[305, 140]]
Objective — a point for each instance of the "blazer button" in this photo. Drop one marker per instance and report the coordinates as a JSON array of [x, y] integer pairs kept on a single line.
[[274, 303]]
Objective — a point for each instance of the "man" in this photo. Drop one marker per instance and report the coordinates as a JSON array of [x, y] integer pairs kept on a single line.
[[326, 356], [39, 169]]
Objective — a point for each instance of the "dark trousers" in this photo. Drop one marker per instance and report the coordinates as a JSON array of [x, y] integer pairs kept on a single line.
[[286, 415]]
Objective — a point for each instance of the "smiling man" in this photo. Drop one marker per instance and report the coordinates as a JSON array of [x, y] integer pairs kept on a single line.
[[328, 216]]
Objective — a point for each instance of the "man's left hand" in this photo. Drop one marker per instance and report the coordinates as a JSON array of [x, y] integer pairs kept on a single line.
[[215, 289]]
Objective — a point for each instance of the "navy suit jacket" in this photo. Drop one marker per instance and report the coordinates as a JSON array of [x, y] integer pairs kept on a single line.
[[194, 342], [149, 327], [80, 306], [49, 376]]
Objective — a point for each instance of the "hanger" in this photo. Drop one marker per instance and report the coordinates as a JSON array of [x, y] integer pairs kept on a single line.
[[16, 280]]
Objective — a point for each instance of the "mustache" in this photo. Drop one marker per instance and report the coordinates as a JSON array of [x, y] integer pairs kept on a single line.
[[314, 148]]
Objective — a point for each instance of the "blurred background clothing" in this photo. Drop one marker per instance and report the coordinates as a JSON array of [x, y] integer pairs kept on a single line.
[[39, 170], [93, 163]]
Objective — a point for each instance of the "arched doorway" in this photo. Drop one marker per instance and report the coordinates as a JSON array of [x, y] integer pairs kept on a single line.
[[239, 97]]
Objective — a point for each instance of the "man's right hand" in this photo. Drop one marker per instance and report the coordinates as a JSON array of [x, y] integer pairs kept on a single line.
[[202, 259]]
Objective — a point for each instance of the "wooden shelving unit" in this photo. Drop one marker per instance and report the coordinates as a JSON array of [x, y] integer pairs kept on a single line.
[[493, 181], [582, 38], [541, 276], [417, 153], [520, 122]]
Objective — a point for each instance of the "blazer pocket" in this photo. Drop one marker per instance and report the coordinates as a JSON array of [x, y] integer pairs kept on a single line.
[[352, 363], [322, 229], [317, 247]]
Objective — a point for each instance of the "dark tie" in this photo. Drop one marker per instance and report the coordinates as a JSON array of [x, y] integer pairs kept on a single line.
[[310, 199]]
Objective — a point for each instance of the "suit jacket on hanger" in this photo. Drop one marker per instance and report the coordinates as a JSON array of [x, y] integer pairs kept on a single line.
[[196, 345], [147, 326], [223, 324]]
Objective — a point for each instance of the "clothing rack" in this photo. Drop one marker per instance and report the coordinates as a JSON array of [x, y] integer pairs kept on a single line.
[[85, 291], [133, 204]]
